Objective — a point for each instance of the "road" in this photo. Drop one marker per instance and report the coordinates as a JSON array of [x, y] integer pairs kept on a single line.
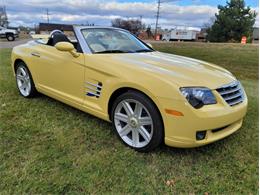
[[11, 44]]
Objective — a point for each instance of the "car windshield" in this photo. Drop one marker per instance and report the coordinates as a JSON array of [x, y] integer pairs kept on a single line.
[[102, 40]]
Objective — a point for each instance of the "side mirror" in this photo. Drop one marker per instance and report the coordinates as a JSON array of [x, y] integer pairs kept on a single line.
[[66, 46], [150, 45]]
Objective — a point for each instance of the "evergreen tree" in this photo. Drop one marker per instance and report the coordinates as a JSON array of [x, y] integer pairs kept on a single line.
[[233, 21]]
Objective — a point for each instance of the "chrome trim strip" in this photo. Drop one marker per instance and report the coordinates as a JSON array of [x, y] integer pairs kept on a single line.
[[230, 91], [232, 84], [94, 89], [233, 96], [95, 85], [94, 94], [236, 102]]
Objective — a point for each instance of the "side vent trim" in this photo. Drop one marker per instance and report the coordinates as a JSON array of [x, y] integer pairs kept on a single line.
[[93, 90]]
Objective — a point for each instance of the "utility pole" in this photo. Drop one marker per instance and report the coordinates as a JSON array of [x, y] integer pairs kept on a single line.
[[158, 12], [3, 17], [47, 14], [157, 17], [141, 18]]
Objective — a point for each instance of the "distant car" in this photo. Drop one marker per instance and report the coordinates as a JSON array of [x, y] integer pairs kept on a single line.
[[149, 96], [9, 34], [32, 33]]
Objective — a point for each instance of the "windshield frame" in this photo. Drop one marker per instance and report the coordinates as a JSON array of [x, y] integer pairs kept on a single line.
[[89, 50]]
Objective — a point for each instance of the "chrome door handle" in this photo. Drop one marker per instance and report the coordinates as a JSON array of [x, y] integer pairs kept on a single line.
[[35, 54]]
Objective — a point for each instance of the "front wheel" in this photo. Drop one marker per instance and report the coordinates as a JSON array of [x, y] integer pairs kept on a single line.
[[24, 81], [137, 121], [10, 37]]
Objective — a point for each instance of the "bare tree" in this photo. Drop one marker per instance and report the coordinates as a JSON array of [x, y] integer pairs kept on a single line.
[[149, 32], [132, 25]]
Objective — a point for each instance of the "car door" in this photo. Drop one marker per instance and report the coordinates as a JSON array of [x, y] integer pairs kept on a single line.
[[60, 74]]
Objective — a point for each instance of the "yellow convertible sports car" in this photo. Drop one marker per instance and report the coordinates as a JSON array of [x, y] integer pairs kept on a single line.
[[149, 96]]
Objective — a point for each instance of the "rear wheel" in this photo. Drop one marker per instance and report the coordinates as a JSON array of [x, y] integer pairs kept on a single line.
[[24, 81], [10, 37], [137, 121]]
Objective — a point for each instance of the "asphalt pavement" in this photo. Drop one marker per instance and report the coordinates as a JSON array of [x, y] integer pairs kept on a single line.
[[10, 44]]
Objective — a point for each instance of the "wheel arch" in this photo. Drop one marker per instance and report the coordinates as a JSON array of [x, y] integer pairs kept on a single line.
[[33, 91], [15, 65], [16, 62], [123, 90]]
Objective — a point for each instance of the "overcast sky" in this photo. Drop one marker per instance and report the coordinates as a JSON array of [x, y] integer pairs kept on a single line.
[[192, 13]]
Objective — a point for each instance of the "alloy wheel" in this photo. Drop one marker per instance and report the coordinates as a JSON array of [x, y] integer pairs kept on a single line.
[[133, 123], [23, 81]]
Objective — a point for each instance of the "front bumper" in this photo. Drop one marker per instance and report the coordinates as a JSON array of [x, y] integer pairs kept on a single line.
[[218, 120]]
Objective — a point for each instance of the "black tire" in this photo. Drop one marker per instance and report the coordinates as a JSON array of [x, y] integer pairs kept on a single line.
[[32, 92], [10, 37], [158, 127]]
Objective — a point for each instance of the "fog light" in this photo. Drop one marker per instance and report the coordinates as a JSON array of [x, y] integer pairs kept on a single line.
[[200, 135]]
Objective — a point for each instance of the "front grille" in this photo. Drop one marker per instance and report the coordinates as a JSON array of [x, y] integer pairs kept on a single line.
[[232, 93]]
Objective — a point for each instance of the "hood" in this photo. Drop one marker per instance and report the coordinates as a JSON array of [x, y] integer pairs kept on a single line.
[[183, 71]]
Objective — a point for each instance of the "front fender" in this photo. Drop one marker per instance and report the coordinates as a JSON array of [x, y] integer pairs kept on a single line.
[[154, 89]]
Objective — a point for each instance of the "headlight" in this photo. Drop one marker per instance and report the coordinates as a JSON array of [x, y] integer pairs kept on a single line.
[[198, 97]]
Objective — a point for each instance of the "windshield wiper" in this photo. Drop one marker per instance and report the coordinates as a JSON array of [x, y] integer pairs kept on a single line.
[[144, 50], [114, 51]]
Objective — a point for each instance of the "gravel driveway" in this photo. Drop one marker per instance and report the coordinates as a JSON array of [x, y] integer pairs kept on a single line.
[[11, 44]]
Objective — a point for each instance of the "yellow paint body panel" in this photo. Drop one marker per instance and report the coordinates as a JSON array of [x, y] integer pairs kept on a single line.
[[158, 75]]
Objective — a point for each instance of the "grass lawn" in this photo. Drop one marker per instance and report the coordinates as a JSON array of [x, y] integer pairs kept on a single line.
[[49, 147]]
